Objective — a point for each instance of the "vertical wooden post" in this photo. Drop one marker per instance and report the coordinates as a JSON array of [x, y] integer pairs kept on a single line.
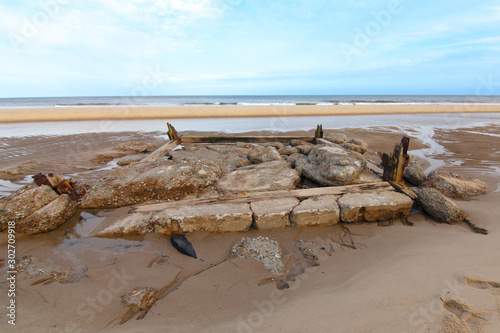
[[319, 132], [395, 163]]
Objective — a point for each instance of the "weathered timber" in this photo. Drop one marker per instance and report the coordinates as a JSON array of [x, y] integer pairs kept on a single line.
[[259, 196], [319, 132], [395, 163], [245, 139], [162, 151], [402, 188], [172, 133]]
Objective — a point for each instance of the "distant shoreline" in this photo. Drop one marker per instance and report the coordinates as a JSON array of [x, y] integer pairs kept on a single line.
[[227, 111]]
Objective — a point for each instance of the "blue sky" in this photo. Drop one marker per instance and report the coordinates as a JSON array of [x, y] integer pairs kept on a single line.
[[245, 47]]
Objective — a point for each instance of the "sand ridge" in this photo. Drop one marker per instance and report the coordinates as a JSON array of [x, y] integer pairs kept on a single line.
[[177, 112]]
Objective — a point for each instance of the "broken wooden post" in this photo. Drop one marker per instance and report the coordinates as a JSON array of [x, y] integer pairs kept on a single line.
[[394, 166], [175, 141], [172, 133], [319, 131], [395, 163]]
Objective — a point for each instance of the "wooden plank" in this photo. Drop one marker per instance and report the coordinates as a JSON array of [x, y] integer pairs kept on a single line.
[[259, 196], [246, 139], [162, 151]]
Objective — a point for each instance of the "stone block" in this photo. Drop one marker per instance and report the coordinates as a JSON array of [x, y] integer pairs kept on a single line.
[[317, 211], [273, 213], [374, 206]]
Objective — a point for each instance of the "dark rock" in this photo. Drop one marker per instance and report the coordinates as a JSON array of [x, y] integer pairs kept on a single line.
[[439, 206], [453, 185], [414, 172], [181, 244], [331, 165]]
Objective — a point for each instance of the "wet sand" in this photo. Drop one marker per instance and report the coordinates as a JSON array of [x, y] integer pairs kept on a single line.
[[396, 278], [173, 112]]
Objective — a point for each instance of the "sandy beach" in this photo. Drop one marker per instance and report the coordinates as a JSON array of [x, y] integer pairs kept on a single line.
[[132, 112], [428, 277]]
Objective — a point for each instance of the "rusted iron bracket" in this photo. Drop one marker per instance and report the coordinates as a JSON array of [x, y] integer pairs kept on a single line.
[[58, 183]]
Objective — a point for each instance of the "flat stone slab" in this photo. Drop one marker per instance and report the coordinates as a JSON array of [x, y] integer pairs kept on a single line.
[[317, 211], [275, 213], [455, 186], [374, 206], [212, 218], [259, 180]]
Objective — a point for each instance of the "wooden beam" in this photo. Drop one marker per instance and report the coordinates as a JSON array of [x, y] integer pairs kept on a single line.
[[162, 151], [259, 196], [246, 139]]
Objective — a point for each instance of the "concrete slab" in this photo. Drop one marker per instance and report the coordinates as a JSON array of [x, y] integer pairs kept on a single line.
[[317, 211], [374, 206], [275, 213]]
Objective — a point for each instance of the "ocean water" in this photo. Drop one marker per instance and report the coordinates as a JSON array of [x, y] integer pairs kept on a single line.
[[244, 100]]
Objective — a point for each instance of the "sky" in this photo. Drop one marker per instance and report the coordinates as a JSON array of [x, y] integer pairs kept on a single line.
[[53, 48]]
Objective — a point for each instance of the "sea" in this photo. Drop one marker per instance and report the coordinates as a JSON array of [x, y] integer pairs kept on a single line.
[[111, 101]]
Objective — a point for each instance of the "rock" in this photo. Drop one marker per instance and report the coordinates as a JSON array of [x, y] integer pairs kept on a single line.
[[304, 149], [358, 142], [453, 185], [295, 143], [212, 218], [135, 146], [374, 206], [354, 147], [140, 298], [292, 159], [414, 172], [331, 165], [129, 159], [20, 169], [132, 224], [264, 154], [24, 202], [439, 206], [337, 138], [279, 164], [227, 157], [275, 213], [288, 151], [50, 216], [277, 145], [366, 177], [104, 158], [256, 180], [185, 219], [159, 180], [317, 211], [34, 267], [263, 249], [181, 244]]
